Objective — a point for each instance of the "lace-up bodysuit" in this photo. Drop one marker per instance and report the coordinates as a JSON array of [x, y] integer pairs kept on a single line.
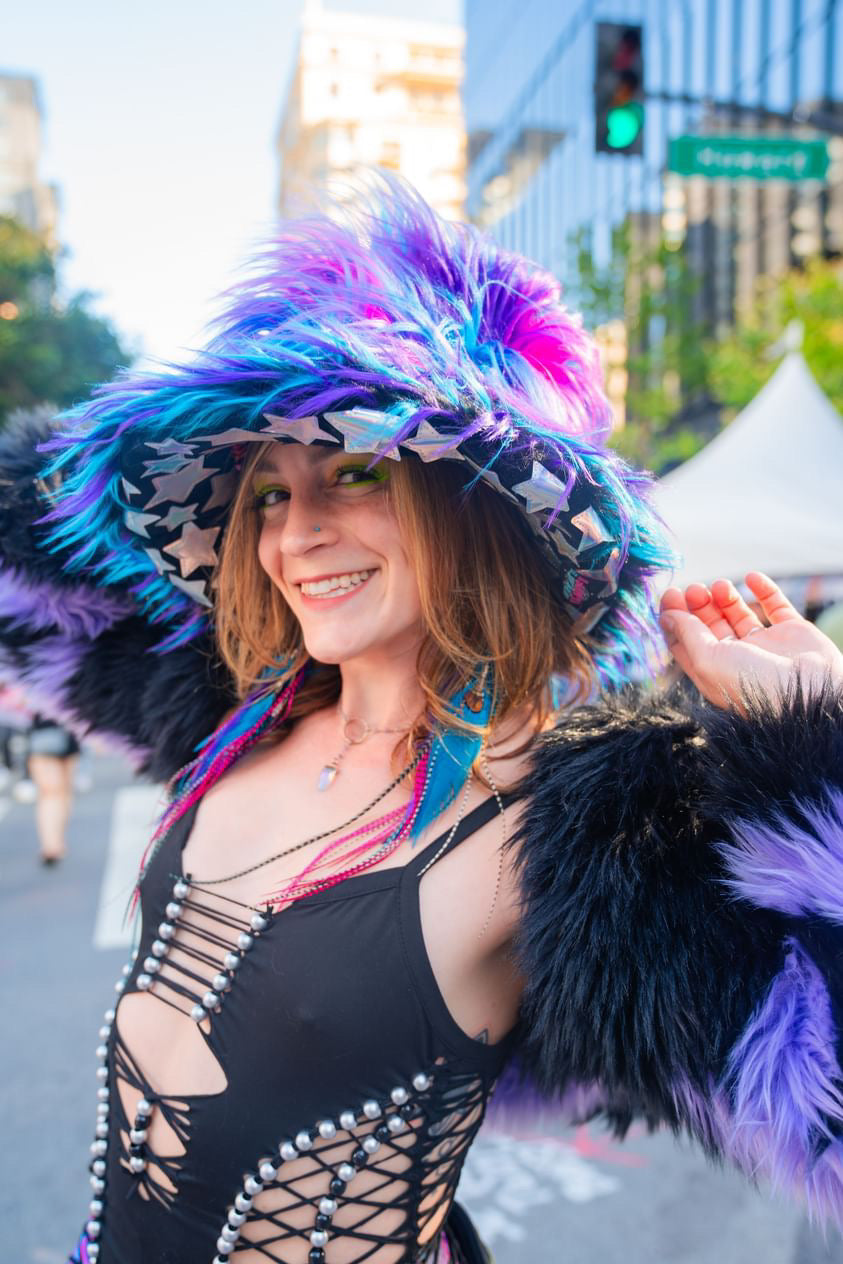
[[340, 1096]]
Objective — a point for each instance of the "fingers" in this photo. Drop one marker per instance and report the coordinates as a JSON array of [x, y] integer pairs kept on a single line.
[[734, 609], [701, 603], [776, 607], [673, 599]]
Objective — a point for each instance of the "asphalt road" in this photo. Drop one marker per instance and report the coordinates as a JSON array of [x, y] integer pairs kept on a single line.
[[550, 1197]]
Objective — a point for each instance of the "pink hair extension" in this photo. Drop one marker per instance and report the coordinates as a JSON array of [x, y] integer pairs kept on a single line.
[[385, 842], [186, 790]]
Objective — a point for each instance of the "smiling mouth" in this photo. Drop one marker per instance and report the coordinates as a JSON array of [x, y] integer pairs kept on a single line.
[[336, 585]]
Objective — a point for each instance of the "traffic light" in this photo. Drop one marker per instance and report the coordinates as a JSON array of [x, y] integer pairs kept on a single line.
[[619, 89]]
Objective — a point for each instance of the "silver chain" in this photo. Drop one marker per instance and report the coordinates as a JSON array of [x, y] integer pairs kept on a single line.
[[231, 877]]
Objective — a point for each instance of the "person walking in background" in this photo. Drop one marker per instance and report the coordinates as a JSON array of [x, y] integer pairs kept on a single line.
[[53, 754]]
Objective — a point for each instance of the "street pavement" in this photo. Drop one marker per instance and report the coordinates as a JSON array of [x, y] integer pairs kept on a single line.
[[547, 1196]]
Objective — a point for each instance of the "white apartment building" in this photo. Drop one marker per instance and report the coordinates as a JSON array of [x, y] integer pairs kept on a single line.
[[375, 92], [22, 193]]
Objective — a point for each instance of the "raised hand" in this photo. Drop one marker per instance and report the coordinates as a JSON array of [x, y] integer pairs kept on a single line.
[[724, 647]]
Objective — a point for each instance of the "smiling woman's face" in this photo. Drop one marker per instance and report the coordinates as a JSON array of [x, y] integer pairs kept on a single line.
[[350, 584]]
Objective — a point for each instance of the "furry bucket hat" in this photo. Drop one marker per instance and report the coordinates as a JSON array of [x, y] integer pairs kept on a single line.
[[377, 327]]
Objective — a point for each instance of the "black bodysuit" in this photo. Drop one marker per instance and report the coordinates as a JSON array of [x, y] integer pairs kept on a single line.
[[350, 1093]]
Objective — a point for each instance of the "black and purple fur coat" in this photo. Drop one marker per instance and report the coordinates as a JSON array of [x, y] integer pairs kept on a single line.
[[682, 872]]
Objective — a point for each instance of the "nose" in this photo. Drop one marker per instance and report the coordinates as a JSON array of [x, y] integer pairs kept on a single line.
[[306, 526]]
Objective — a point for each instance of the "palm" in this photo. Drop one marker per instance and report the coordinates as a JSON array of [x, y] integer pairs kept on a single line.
[[723, 645]]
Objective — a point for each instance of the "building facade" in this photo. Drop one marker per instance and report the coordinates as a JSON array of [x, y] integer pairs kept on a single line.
[[23, 194], [378, 92], [536, 180]]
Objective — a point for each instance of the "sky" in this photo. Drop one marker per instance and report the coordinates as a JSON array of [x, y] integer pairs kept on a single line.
[[160, 120]]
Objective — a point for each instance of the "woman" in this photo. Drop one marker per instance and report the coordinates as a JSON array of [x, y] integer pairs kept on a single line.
[[369, 541], [53, 753]]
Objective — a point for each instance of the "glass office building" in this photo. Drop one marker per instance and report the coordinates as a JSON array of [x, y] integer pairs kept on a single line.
[[536, 181]]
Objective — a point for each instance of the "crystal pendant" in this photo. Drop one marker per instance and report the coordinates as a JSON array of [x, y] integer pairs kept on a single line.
[[327, 777]]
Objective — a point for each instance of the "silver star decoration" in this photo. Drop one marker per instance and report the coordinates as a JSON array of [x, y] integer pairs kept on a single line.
[[195, 589], [137, 522], [542, 490], [585, 622], [164, 465], [222, 491], [159, 561], [299, 430], [179, 485], [129, 489], [592, 527], [357, 425], [177, 517], [608, 573], [427, 442], [194, 548], [172, 447], [487, 475], [236, 435], [561, 543]]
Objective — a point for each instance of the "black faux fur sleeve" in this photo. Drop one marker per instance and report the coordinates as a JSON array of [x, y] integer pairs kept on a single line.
[[81, 652], [678, 969]]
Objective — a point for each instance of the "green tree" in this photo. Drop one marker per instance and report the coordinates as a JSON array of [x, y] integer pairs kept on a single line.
[[669, 408], [50, 353], [812, 296]]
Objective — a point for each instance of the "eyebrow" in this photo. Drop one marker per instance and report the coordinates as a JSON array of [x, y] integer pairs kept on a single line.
[[265, 468]]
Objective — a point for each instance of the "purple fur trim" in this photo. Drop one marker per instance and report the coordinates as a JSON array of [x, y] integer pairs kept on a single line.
[[795, 863], [706, 1115], [517, 1101], [44, 677], [77, 611], [785, 1089]]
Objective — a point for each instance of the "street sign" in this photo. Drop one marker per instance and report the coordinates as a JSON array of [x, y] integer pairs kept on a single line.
[[748, 157]]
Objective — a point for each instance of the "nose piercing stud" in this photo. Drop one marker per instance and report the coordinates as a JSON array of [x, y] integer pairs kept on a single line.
[[317, 528]]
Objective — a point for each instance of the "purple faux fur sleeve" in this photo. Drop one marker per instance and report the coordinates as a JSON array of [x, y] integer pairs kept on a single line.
[[80, 651], [682, 876]]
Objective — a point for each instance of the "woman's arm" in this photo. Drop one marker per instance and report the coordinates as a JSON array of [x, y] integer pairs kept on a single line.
[[682, 875], [82, 652]]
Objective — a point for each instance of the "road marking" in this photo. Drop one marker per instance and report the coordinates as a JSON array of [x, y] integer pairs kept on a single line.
[[132, 816]]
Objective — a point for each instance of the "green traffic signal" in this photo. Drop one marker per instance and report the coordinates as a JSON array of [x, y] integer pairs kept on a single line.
[[624, 124]]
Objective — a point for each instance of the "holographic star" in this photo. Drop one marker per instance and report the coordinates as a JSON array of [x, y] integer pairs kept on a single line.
[[159, 562], [195, 589], [137, 522], [542, 490], [129, 489], [608, 574], [561, 543], [179, 485], [427, 442], [358, 427], [299, 429], [487, 476], [172, 447], [164, 465], [592, 527], [235, 435], [222, 486], [177, 517], [194, 548]]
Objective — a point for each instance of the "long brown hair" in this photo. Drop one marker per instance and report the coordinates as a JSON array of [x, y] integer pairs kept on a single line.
[[487, 598]]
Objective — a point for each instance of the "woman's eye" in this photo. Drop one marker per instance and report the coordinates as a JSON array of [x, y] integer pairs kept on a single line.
[[359, 474], [269, 497]]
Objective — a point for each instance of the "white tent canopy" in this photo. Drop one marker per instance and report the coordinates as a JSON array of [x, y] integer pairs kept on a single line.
[[767, 493]]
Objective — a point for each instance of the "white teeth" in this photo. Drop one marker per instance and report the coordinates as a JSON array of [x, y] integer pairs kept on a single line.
[[337, 583]]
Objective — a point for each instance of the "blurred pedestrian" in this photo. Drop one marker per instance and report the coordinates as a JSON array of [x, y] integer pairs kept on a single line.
[[53, 752]]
